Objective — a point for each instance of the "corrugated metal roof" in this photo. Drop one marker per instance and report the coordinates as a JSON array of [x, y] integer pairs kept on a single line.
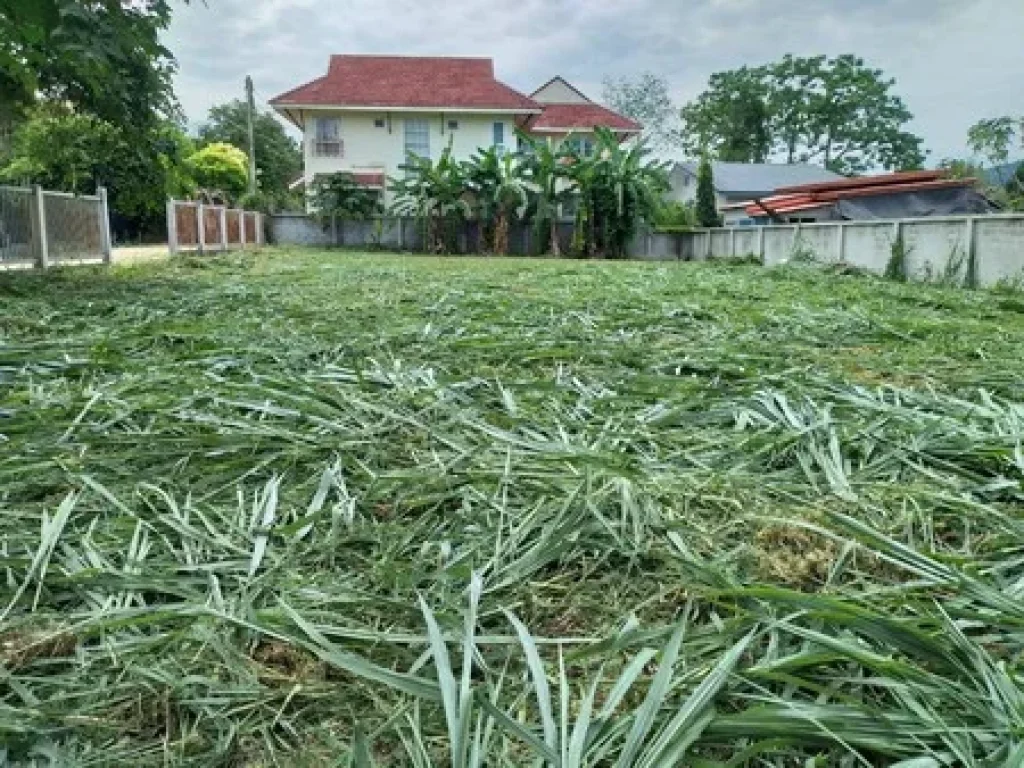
[[816, 196], [756, 179], [862, 182]]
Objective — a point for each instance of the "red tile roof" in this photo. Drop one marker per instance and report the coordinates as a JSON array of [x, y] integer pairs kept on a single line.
[[369, 179], [579, 117], [409, 81]]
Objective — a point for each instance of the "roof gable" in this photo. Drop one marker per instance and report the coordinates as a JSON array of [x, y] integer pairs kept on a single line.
[[558, 90], [408, 81]]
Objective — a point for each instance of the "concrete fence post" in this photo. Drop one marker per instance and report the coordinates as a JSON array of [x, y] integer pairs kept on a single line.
[[224, 228], [261, 236], [707, 246], [39, 227], [201, 227], [172, 227], [104, 213], [971, 248], [760, 243], [241, 228]]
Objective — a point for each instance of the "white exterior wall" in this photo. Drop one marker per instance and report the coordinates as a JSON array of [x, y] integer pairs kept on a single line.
[[367, 147]]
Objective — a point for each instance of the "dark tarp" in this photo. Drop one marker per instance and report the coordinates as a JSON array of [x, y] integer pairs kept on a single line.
[[956, 201]]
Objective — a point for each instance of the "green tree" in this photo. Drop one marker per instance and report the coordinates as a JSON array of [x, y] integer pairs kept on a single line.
[[501, 192], [103, 57], [619, 188], [730, 119], [340, 195], [546, 166], [645, 99], [278, 157], [220, 169], [841, 113], [993, 138], [435, 193], [835, 111], [707, 208], [77, 153]]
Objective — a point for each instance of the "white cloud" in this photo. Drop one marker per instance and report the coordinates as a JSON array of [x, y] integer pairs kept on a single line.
[[954, 60]]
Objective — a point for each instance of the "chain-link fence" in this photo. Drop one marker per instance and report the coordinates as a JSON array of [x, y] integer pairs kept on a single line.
[[40, 228], [17, 240], [74, 229], [199, 227]]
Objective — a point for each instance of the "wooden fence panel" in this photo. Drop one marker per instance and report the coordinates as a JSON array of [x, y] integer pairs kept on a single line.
[[199, 227], [211, 227]]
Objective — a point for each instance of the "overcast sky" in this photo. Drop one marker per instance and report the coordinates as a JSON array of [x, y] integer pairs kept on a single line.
[[955, 61]]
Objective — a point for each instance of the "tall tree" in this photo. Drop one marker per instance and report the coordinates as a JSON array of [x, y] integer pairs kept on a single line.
[[73, 152], [835, 111], [993, 138], [707, 208], [645, 99], [278, 157], [730, 119], [842, 113], [103, 57]]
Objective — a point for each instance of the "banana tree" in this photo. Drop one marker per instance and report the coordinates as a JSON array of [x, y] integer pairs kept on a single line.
[[547, 167], [434, 193], [619, 187], [628, 189], [501, 192]]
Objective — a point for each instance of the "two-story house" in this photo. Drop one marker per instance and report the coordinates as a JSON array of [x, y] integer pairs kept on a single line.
[[368, 113]]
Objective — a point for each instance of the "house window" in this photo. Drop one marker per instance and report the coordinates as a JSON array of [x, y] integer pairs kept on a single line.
[[581, 145], [453, 125], [499, 135], [379, 123], [328, 138], [417, 138]]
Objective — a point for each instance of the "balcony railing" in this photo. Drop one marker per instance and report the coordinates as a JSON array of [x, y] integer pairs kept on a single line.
[[329, 148]]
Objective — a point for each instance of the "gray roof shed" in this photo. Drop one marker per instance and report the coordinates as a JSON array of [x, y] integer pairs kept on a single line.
[[757, 179]]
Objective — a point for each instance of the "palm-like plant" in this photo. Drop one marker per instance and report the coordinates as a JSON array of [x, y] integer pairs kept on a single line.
[[500, 190], [547, 167], [627, 189], [618, 187], [435, 193]]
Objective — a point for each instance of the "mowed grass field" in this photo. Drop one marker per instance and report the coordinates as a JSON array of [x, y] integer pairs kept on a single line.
[[327, 508]]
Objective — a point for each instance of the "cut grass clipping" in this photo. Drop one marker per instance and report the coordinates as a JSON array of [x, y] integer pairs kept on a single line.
[[331, 509]]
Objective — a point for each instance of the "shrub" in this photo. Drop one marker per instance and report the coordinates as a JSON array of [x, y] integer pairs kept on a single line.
[[672, 214], [221, 168]]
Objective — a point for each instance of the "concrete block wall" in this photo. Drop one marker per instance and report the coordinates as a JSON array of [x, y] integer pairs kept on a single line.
[[982, 250], [940, 249]]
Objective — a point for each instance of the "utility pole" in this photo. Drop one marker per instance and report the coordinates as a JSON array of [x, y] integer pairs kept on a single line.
[[250, 118]]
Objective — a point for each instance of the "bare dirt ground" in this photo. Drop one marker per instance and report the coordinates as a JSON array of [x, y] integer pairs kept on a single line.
[[140, 253]]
